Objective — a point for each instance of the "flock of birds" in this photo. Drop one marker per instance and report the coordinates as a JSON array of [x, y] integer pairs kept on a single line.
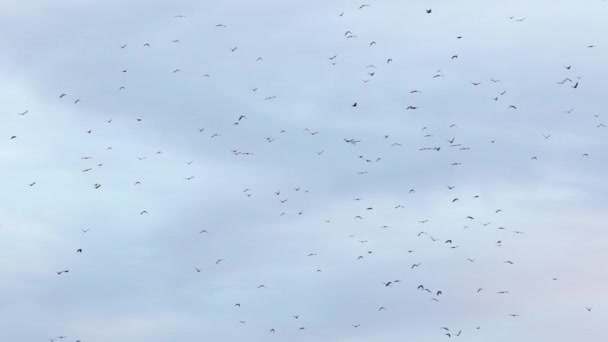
[[429, 144]]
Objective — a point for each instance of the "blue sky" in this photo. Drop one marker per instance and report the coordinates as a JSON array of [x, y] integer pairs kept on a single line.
[[532, 178]]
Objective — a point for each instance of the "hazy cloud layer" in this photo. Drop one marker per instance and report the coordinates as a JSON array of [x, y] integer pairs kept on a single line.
[[542, 163]]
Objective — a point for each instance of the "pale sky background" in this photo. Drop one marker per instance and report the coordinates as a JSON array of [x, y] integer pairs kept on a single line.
[[135, 280]]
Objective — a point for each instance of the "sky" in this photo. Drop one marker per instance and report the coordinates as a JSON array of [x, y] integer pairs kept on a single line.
[[168, 208]]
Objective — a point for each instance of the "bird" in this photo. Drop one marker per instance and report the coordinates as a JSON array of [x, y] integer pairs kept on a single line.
[[62, 95], [234, 49], [198, 270], [23, 113], [354, 104], [364, 5], [429, 11], [79, 250], [588, 308]]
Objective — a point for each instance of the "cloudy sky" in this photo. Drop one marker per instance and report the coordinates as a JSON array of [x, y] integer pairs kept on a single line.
[[512, 171]]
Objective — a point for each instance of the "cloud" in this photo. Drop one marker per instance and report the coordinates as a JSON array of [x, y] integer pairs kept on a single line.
[[136, 277]]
